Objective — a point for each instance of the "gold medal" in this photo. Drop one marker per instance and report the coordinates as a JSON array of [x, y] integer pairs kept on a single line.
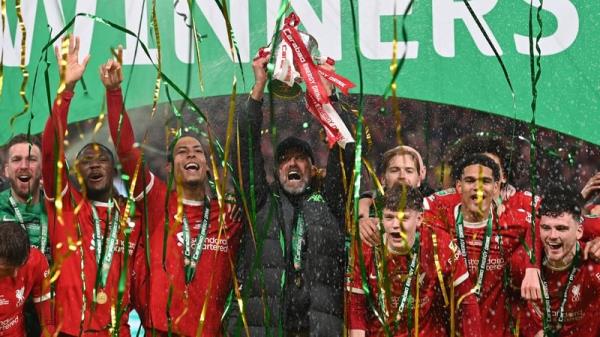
[[101, 297]]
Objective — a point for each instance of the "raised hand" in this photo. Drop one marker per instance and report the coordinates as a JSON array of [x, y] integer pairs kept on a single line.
[[259, 66], [111, 73], [592, 185], [68, 64]]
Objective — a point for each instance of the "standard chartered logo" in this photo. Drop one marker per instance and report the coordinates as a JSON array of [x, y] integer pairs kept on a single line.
[[210, 243]]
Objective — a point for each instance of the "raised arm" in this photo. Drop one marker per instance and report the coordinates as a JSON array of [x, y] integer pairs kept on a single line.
[[249, 124], [54, 133], [530, 286], [119, 124]]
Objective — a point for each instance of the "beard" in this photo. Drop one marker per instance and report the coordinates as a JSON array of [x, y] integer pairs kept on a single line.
[[294, 188]]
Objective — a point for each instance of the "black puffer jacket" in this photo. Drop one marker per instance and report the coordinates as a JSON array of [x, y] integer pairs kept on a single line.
[[269, 303]]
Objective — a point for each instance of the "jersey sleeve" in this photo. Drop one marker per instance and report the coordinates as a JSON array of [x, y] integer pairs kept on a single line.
[[123, 137], [532, 240], [357, 319], [40, 291], [591, 228], [53, 152]]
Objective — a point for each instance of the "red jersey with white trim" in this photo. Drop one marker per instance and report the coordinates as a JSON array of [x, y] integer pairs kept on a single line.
[[154, 283], [507, 232], [213, 272], [583, 299], [433, 314], [591, 227], [438, 204], [74, 248], [31, 279]]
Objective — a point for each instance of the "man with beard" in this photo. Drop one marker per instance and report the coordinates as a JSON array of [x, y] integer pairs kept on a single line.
[[183, 275], [23, 203], [93, 231], [486, 240], [291, 267], [571, 283]]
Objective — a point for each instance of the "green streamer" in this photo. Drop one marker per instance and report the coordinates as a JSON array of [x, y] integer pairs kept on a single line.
[[536, 71], [489, 41], [400, 65]]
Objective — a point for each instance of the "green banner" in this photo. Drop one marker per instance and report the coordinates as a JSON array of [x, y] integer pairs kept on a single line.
[[447, 57]]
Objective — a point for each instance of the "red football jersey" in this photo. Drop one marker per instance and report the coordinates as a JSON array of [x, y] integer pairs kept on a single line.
[[213, 272], [512, 226], [164, 278], [74, 247], [583, 299], [591, 227], [433, 314], [31, 280], [438, 204]]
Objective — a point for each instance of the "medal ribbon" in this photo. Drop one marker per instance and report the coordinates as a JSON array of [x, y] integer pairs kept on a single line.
[[43, 223], [191, 260], [485, 248], [548, 330], [412, 268], [298, 241], [104, 256]]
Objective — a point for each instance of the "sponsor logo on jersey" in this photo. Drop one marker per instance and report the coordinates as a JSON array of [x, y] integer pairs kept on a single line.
[[210, 243], [3, 301]]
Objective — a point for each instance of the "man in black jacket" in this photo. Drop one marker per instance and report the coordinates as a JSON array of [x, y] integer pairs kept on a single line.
[[292, 262]]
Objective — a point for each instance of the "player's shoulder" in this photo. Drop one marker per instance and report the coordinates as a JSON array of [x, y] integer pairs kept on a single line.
[[36, 256], [435, 240], [36, 263], [591, 219], [516, 216], [446, 195], [523, 199], [363, 255]]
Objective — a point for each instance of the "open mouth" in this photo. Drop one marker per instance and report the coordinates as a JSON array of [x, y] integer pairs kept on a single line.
[[24, 178], [293, 175], [396, 235], [474, 197], [191, 167], [554, 246], [95, 177]]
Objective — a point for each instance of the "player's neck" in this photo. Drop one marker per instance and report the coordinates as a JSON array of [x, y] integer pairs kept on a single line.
[[100, 196], [564, 263], [35, 197], [194, 194], [475, 217]]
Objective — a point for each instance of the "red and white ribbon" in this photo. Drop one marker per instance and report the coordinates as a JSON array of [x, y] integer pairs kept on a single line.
[[317, 101]]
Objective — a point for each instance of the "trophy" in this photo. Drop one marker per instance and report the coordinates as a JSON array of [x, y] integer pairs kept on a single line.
[[285, 82]]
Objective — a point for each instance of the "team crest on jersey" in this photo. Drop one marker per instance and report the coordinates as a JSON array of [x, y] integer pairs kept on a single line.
[[576, 292], [20, 296], [454, 249]]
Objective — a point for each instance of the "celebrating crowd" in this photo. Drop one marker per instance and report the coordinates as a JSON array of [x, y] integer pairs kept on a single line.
[[288, 257]]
